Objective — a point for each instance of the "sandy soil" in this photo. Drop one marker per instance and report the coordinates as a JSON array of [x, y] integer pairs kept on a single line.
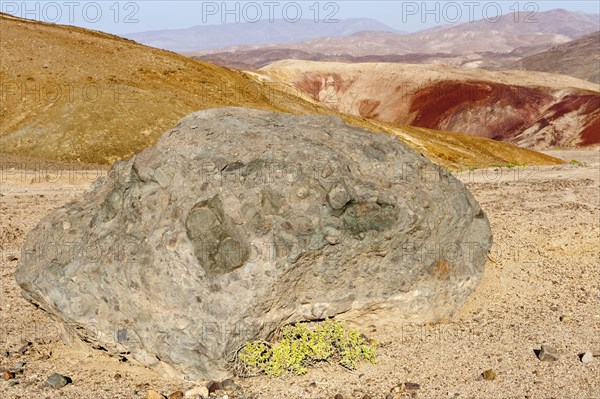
[[541, 286]]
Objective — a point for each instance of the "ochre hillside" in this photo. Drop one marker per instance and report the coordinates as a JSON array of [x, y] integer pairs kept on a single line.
[[71, 94]]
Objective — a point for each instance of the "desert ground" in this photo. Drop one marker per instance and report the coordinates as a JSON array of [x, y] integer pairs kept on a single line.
[[541, 286]]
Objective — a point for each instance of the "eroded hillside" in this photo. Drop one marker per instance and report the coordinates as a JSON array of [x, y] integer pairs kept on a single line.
[[71, 94], [534, 109]]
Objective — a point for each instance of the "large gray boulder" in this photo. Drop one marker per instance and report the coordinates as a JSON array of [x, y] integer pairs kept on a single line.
[[239, 221]]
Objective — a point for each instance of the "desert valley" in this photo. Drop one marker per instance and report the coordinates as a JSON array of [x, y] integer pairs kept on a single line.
[[301, 211]]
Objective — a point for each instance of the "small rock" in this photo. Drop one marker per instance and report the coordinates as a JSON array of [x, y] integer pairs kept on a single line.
[[58, 381], [45, 66], [176, 394], [202, 391], [213, 386], [12, 258], [227, 383], [564, 318], [8, 375], [587, 357], [489, 375], [154, 395], [411, 386], [117, 376], [230, 385], [12, 383], [548, 354], [23, 350], [338, 396]]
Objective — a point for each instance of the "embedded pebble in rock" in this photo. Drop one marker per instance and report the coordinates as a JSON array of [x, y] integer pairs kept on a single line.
[[58, 381], [207, 241], [548, 354]]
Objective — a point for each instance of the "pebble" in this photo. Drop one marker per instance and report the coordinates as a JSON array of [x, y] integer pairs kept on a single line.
[[338, 396], [58, 381], [8, 375], [202, 391], [489, 375], [154, 395], [23, 350], [587, 357], [176, 394], [230, 385], [213, 386], [411, 386], [548, 354], [564, 318]]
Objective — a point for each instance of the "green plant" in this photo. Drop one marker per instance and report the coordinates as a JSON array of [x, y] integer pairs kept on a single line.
[[302, 347]]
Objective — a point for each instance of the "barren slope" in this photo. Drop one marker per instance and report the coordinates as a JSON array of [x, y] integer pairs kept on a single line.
[[76, 95], [579, 58], [535, 109]]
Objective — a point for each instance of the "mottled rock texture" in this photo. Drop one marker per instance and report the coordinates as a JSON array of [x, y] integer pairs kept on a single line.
[[239, 221]]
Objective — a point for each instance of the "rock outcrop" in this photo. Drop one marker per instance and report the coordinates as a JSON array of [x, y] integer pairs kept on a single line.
[[239, 221]]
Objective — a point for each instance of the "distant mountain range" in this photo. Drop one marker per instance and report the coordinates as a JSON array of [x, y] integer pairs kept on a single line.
[[579, 58], [475, 44], [204, 37]]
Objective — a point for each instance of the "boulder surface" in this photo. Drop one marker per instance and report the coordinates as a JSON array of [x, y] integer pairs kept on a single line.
[[239, 221]]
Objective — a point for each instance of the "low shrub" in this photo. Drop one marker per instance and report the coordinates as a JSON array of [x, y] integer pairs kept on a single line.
[[302, 347]]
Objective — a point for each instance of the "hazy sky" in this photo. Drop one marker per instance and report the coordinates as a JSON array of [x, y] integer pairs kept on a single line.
[[135, 16]]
